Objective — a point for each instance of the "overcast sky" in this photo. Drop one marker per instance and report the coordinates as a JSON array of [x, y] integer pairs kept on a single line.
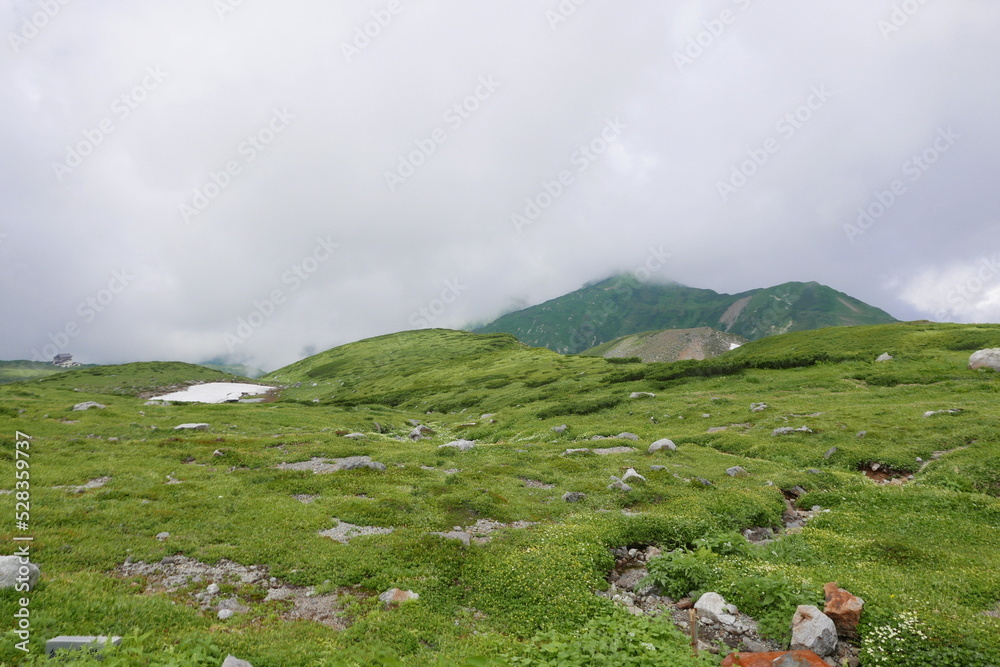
[[265, 180]]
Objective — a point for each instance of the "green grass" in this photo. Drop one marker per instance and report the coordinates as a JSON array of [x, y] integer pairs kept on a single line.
[[930, 547]]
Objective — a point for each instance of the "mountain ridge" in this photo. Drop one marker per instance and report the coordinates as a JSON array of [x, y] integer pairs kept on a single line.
[[623, 305]]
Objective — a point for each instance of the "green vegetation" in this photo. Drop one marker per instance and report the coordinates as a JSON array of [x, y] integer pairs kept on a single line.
[[623, 305], [20, 371], [924, 553]]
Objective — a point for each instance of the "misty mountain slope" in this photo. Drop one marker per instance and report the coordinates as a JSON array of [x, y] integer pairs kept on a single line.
[[623, 305], [670, 345]]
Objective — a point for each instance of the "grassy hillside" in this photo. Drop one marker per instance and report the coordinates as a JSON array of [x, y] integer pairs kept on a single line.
[[622, 305], [19, 371], [926, 548]]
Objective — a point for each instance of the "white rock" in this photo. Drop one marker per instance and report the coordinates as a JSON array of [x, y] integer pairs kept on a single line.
[[812, 630], [632, 474], [233, 661], [225, 614], [713, 606], [192, 427], [661, 445], [461, 445], [10, 567], [986, 359]]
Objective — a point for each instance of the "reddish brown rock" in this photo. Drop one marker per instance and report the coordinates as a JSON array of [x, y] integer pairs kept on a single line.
[[774, 659], [685, 603], [843, 609]]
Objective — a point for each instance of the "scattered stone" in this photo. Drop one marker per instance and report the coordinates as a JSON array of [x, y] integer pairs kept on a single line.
[[632, 474], [931, 413], [233, 661], [162, 536], [989, 358], [737, 471], [233, 605], [535, 484], [560, 429], [861, 434], [343, 532], [785, 430], [304, 498], [761, 535], [10, 567], [574, 497], [814, 471], [717, 429], [812, 630], [213, 589], [421, 432], [397, 596], [356, 436], [829, 453], [706, 416], [884, 357], [630, 578], [685, 604], [92, 484], [226, 614], [705, 482], [617, 484], [758, 407], [714, 607], [642, 394], [628, 436], [192, 427], [656, 468], [598, 437], [461, 445], [843, 609], [321, 466], [661, 445], [576, 451], [613, 450], [797, 491], [88, 405]]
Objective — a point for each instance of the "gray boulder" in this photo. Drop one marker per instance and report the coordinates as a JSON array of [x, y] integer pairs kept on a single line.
[[884, 357], [88, 405], [461, 445], [192, 427], [11, 568], [357, 462], [631, 474], [758, 407], [610, 451], [574, 496], [628, 436], [737, 471], [397, 596], [812, 630], [785, 430], [642, 394], [661, 445], [560, 429], [985, 359], [714, 607], [619, 485], [421, 432], [233, 661]]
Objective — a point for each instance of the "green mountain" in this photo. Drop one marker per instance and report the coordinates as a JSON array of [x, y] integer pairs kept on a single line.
[[623, 305]]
